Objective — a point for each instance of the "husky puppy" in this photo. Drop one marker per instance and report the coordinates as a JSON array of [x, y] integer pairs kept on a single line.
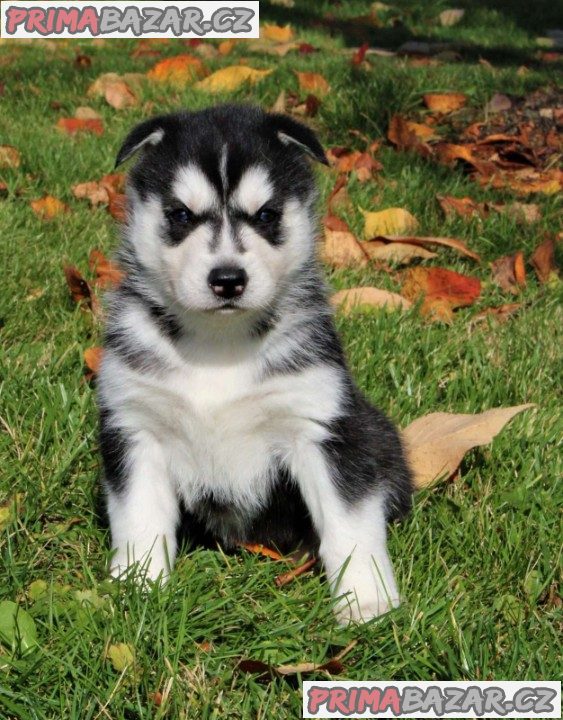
[[227, 409]]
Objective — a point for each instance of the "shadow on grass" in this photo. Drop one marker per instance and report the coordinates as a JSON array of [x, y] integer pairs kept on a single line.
[[354, 31]]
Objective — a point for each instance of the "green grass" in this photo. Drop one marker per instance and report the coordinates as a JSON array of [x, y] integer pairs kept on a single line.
[[475, 560]]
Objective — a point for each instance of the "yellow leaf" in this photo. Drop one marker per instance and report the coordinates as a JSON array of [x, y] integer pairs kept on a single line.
[[231, 78], [399, 253], [346, 300], [393, 221], [121, 656], [277, 33], [436, 443]]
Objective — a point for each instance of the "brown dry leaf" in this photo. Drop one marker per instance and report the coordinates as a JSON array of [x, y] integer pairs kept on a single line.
[[117, 206], [72, 126], [527, 181], [276, 33], [332, 222], [525, 212], [313, 82], [258, 549], [79, 287], [442, 290], [406, 134], [342, 249], [453, 243], [501, 313], [93, 360], [451, 16], [231, 78], [393, 221], [396, 252], [9, 157], [347, 300], [437, 443], [498, 103], [339, 198], [49, 207], [465, 207], [119, 95], [444, 102], [291, 575], [107, 272], [86, 113], [543, 260], [509, 272], [92, 191], [179, 71]]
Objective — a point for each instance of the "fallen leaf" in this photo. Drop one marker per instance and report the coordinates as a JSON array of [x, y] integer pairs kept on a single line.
[[464, 207], [437, 443], [342, 249], [121, 656], [313, 82], [117, 206], [92, 360], [86, 113], [72, 126], [453, 243], [444, 102], [500, 313], [92, 191], [276, 33], [347, 300], [262, 550], [107, 273], [307, 48], [451, 17], [180, 70], [226, 47], [17, 628], [360, 54], [543, 260], [79, 287], [393, 221], [442, 291], [291, 575], [527, 181], [332, 222], [231, 78], [395, 252], [498, 103], [119, 95], [408, 135], [10, 157], [509, 272], [49, 207]]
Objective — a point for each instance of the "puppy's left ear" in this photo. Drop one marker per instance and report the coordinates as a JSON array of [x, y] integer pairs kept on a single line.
[[292, 132], [149, 132]]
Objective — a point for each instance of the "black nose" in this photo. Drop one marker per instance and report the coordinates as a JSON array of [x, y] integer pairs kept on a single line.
[[227, 282]]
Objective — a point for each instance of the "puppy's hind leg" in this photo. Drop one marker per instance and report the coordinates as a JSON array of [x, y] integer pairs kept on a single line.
[[353, 535], [142, 508]]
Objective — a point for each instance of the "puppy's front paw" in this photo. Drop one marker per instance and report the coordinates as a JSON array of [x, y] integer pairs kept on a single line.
[[352, 609], [151, 569]]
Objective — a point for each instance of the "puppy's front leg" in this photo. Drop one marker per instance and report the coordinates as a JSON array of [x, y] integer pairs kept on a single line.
[[353, 535], [142, 508]]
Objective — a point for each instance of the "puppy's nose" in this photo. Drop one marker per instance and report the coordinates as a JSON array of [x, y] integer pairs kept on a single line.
[[227, 282]]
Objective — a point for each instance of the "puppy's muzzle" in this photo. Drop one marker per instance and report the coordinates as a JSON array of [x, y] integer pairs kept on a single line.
[[228, 282]]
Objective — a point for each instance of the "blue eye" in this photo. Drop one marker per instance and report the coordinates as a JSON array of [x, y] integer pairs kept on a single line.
[[265, 216], [180, 216]]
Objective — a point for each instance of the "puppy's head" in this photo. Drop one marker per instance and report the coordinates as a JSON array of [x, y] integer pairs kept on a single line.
[[221, 206]]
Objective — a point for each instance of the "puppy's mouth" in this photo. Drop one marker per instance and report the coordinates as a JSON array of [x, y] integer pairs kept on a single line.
[[226, 308]]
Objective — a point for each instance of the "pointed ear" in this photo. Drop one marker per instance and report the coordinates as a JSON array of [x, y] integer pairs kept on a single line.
[[149, 132], [292, 132]]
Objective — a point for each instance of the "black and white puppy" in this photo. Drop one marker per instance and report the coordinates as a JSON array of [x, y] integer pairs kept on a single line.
[[227, 409]]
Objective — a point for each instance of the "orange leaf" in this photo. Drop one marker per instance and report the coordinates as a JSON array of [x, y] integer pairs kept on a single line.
[[444, 102], [408, 135], [313, 82], [262, 550], [442, 290], [543, 260], [331, 222], [9, 156], [277, 33], [93, 359], [71, 126], [92, 191], [118, 206], [107, 273], [289, 576], [49, 207], [180, 70], [464, 206], [509, 272], [79, 287]]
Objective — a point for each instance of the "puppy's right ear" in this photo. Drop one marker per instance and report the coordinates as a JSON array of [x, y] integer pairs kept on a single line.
[[149, 132]]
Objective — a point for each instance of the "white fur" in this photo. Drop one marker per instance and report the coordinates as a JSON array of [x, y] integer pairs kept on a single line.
[[254, 190], [192, 187]]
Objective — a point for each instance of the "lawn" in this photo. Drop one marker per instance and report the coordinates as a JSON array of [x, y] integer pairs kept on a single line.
[[479, 559]]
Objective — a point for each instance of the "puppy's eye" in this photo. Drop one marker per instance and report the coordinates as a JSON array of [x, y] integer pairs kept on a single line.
[[266, 216], [180, 216]]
